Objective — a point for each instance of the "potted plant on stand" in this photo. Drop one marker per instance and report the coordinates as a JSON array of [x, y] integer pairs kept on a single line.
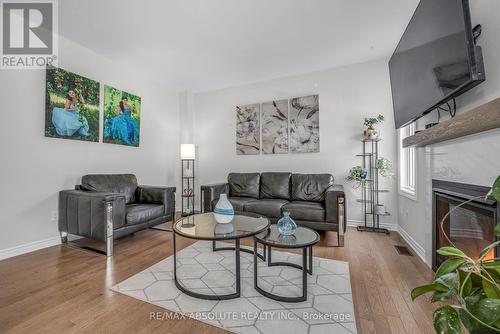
[[371, 133], [384, 167], [357, 175], [470, 287]]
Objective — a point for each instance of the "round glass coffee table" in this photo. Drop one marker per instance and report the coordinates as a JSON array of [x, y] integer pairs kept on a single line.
[[204, 227], [303, 238]]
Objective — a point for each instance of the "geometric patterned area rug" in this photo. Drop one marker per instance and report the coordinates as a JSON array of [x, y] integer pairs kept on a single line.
[[328, 309]]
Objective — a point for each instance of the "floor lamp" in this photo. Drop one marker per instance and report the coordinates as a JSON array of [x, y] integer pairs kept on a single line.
[[188, 155]]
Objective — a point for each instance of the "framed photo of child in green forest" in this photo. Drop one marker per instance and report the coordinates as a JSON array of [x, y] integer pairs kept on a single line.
[[122, 117], [71, 106]]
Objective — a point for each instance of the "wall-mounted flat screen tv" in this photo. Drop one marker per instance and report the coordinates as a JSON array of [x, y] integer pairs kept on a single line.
[[435, 61]]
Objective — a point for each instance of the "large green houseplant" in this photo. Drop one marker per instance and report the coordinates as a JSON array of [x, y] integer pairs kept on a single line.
[[470, 288]]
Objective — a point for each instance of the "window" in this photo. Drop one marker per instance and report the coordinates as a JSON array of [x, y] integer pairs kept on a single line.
[[407, 163]]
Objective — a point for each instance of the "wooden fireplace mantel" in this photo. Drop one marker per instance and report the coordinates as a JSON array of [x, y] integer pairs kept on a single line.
[[483, 118]]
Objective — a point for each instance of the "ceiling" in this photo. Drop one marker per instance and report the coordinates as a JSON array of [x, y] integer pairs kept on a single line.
[[199, 45]]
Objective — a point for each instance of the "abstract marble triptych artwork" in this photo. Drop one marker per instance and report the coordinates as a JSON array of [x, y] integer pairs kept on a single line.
[[278, 127]]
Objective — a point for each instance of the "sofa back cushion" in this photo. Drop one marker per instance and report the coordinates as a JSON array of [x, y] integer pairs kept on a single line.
[[244, 184], [112, 183], [310, 187], [275, 185]]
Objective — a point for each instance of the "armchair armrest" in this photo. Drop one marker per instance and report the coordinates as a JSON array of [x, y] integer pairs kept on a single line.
[[158, 195], [211, 192], [86, 213], [335, 205]]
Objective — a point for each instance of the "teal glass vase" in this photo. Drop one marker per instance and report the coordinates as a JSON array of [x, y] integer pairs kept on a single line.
[[286, 225]]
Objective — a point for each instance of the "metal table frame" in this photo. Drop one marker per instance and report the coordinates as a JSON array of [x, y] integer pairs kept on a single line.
[[250, 251], [305, 267], [237, 250]]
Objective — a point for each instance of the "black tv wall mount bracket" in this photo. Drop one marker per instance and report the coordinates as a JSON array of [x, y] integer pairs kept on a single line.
[[476, 32]]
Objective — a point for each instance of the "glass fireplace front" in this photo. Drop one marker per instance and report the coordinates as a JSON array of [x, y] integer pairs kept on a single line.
[[469, 227]]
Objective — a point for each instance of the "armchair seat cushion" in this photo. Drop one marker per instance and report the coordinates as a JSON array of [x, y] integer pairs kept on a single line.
[[302, 210], [270, 208], [237, 202], [141, 213]]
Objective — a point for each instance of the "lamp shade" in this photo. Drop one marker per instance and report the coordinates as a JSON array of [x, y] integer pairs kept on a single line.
[[188, 152]]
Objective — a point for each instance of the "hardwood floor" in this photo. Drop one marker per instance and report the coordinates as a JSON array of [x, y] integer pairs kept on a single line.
[[61, 289]]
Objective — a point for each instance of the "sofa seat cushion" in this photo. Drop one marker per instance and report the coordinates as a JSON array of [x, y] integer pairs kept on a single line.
[[244, 184], [141, 213], [270, 208], [275, 185], [310, 211], [236, 202]]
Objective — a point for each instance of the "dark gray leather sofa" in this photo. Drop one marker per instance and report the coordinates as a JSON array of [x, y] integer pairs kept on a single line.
[[313, 200], [106, 207]]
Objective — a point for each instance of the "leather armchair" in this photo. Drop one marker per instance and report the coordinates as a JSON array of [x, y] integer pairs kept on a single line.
[[107, 207]]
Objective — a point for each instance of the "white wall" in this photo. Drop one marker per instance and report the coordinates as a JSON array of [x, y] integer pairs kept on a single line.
[[346, 96], [186, 117], [473, 159], [34, 168]]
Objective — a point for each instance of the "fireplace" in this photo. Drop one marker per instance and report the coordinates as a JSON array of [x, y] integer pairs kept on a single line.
[[470, 227]]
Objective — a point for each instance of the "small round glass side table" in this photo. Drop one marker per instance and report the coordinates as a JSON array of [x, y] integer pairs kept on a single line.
[[303, 238]]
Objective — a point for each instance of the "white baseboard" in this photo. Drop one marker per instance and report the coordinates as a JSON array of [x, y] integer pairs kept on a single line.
[[417, 248], [356, 223], [29, 247]]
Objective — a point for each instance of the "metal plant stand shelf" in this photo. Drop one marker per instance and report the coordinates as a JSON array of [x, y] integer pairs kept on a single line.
[[370, 188]]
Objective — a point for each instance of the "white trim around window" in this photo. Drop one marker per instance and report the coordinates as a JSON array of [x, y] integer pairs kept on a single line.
[[407, 165]]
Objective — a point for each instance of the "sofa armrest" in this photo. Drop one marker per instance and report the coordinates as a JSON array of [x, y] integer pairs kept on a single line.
[[85, 213], [158, 195], [335, 206], [211, 192]]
